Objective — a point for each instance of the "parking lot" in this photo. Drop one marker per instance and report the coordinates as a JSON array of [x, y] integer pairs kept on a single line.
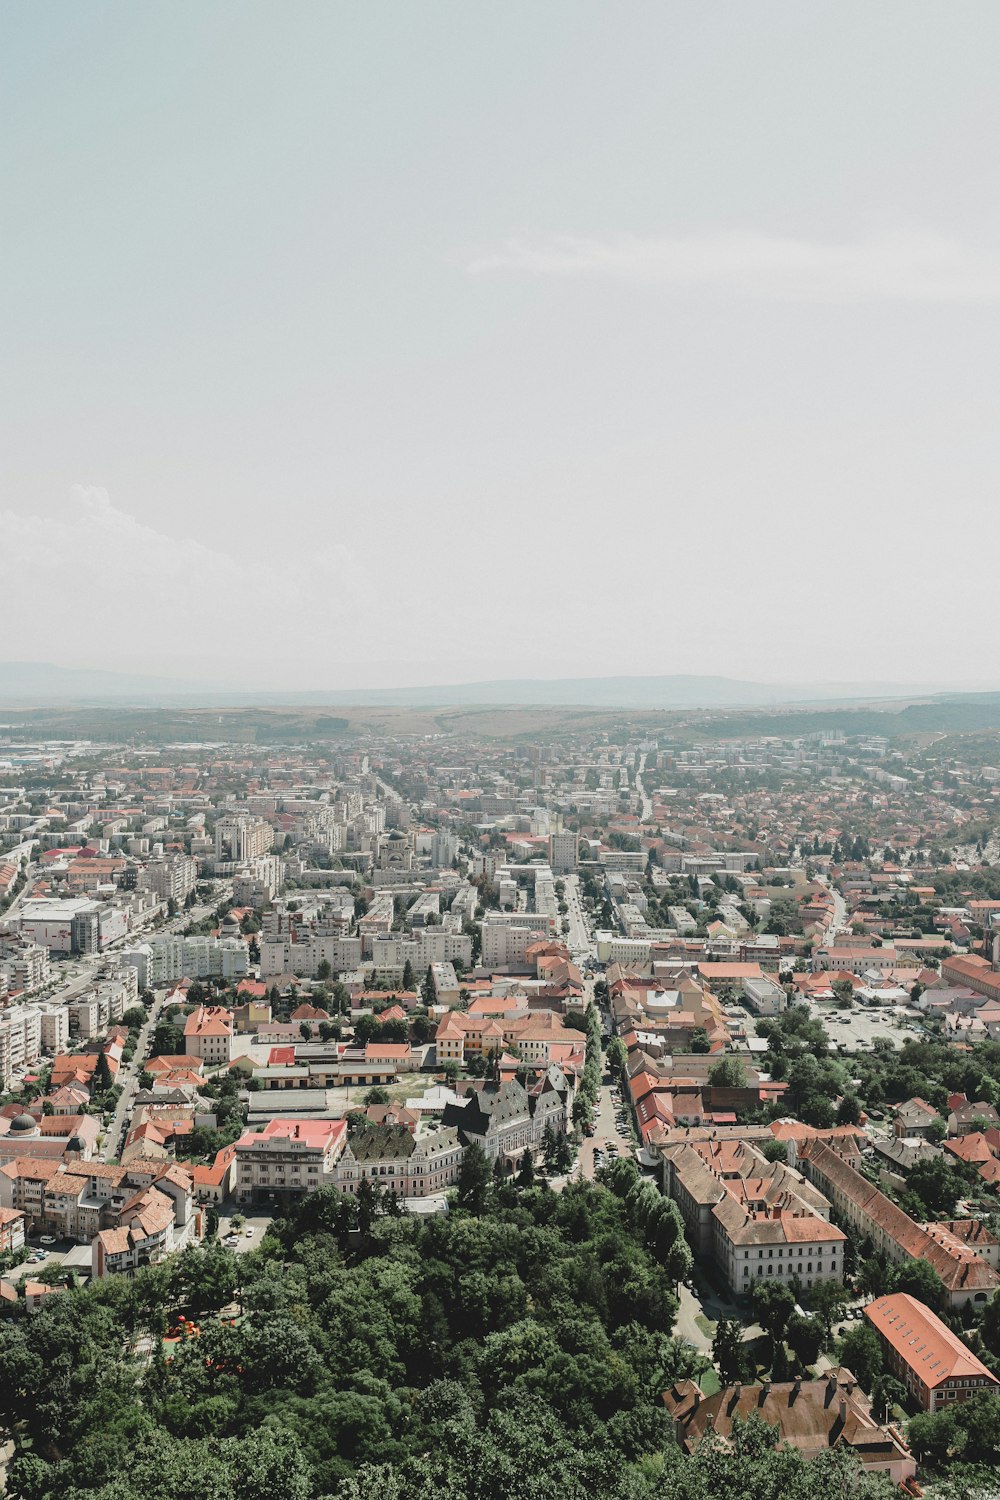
[[611, 1138], [849, 1031]]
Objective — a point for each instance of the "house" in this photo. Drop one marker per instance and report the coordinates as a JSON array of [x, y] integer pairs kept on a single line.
[[810, 1415], [208, 1034], [12, 1231], [145, 1234], [969, 1118], [915, 1117], [921, 1351]]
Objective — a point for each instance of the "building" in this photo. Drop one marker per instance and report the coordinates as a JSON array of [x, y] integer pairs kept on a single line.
[[756, 1219], [288, 1159], [966, 1276], [921, 1351], [764, 997], [563, 852], [171, 879], [164, 960], [145, 1234], [505, 1119], [239, 838], [208, 1034], [810, 1415], [408, 1165]]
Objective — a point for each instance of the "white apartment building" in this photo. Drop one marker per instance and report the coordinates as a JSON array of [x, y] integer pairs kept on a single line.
[[54, 1023], [24, 964], [281, 956], [239, 838], [165, 959], [170, 879], [563, 852], [20, 1040]]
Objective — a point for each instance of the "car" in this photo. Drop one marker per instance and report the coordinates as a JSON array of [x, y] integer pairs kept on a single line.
[[46, 1239], [249, 1234]]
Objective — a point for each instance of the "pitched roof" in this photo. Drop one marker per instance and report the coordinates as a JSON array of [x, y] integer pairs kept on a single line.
[[927, 1345]]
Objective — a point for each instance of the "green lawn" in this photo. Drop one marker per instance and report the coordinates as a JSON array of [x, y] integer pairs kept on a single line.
[[705, 1324], [710, 1383]]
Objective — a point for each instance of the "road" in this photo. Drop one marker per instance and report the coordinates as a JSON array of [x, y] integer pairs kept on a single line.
[[578, 939], [646, 810], [129, 1079]]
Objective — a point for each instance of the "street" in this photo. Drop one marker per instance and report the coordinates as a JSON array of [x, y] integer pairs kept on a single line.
[[128, 1079]]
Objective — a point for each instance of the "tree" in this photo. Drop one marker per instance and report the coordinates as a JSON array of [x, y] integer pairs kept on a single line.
[[616, 1055], [678, 1359], [728, 1074], [526, 1170], [937, 1131], [428, 992], [828, 1298], [773, 1304], [408, 976], [699, 1040], [936, 1184], [919, 1279], [377, 1095], [887, 1392], [861, 1353], [804, 1336], [849, 1110], [102, 1073], [474, 1179], [729, 1351]]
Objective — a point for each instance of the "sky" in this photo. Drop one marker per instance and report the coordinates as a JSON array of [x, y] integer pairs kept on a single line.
[[357, 345]]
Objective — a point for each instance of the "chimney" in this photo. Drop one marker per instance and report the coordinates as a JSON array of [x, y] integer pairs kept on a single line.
[[796, 1388], [734, 1399], [765, 1391], [831, 1388]]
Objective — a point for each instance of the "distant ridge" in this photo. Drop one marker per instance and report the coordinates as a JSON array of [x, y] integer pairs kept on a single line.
[[44, 682]]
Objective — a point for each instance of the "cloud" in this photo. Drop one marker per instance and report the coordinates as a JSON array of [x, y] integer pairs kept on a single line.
[[95, 585], [900, 268]]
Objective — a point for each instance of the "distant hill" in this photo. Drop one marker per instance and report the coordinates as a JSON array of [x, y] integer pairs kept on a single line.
[[43, 682], [679, 691]]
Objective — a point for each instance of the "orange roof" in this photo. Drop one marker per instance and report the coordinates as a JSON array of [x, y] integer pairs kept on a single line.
[[927, 1345]]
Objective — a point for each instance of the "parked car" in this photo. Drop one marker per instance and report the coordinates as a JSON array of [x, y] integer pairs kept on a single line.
[[46, 1239]]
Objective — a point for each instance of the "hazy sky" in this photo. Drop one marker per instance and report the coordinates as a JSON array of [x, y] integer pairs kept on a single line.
[[374, 343]]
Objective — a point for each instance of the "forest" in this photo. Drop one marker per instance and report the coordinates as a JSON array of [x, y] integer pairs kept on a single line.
[[517, 1347]]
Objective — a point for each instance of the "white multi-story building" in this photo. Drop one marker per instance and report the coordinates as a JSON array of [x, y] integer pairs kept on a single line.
[[170, 879], [24, 963], [563, 852], [165, 959], [239, 838], [20, 1040], [288, 1159]]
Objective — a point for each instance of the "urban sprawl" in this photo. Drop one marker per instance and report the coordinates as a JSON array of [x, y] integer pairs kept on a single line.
[[711, 1023]]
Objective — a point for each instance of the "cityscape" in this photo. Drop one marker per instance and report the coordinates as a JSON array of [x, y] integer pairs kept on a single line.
[[499, 750], [733, 998]]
